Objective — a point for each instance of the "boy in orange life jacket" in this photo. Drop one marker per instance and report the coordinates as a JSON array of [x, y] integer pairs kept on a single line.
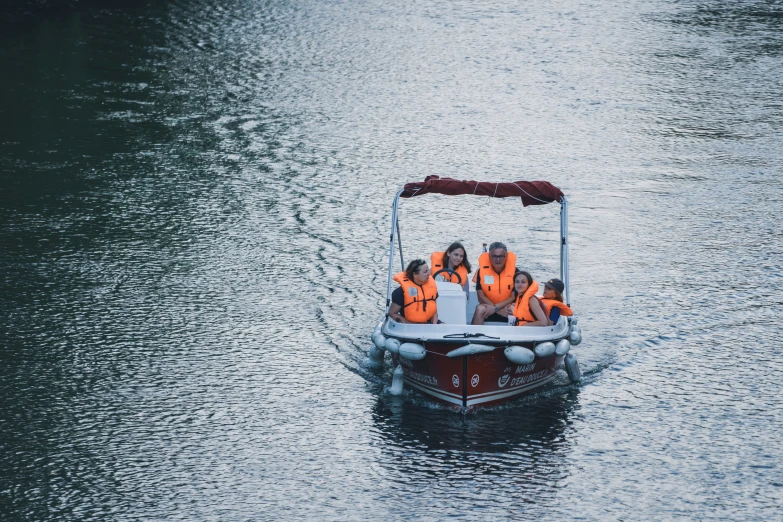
[[552, 300], [494, 284], [414, 301]]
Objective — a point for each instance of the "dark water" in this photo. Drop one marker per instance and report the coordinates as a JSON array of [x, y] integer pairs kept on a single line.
[[194, 211]]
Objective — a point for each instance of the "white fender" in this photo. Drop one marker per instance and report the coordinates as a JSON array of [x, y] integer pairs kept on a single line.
[[544, 349], [412, 351], [470, 349], [376, 356], [379, 340], [572, 368], [393, 345], [576, 335], [519, 355], [397, 381], [562, 347], [574, 320]]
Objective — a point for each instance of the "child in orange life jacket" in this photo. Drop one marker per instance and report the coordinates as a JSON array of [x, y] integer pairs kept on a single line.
[[414, 300], [552, 300], [527, 308]]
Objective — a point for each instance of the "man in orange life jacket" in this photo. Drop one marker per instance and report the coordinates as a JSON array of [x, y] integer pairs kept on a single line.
[[495, 284]]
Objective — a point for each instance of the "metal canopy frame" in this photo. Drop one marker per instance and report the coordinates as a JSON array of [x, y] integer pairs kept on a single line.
[[395, 236]]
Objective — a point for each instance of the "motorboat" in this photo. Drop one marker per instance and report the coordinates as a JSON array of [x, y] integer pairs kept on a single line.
[[467, 366]]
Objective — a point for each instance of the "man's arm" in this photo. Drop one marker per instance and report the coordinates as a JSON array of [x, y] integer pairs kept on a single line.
[[503, 306], [483, 299]]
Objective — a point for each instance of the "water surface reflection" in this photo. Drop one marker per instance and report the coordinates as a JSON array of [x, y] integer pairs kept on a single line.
[[523, 446], [194, 211]]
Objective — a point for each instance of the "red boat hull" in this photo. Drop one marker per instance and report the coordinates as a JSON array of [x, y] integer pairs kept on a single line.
[[478, 380]]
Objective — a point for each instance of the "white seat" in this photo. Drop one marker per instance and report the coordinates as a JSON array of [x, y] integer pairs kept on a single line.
[[451, 303]]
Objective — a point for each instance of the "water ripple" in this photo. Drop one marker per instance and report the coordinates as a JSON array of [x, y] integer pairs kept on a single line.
[[195, 209]]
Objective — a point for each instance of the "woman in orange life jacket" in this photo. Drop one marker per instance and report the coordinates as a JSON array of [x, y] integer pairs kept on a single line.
[[454, 258], [527, 308], [552, 300], [414, 300]]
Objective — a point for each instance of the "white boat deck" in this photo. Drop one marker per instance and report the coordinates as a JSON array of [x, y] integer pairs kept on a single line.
[[456, 311]]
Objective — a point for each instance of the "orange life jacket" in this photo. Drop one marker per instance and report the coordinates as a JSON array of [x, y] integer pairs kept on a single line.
[[522, 305], [437, 264], [549, 303], [418, 301], [497, 287]]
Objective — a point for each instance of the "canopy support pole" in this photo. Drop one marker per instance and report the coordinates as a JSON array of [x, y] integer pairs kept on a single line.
[[395, 227], [399, 244], [564, 248]]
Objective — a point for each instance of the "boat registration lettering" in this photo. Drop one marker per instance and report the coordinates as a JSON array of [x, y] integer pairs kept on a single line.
[[426, 379], [489, 280], [524, 379], [525, 368]]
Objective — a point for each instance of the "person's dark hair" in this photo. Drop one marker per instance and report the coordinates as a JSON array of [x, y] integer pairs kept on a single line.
[[527, 276], [452, 247], [413, 266]]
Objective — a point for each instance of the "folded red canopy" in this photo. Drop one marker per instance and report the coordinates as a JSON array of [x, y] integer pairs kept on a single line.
[[531, 192]]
